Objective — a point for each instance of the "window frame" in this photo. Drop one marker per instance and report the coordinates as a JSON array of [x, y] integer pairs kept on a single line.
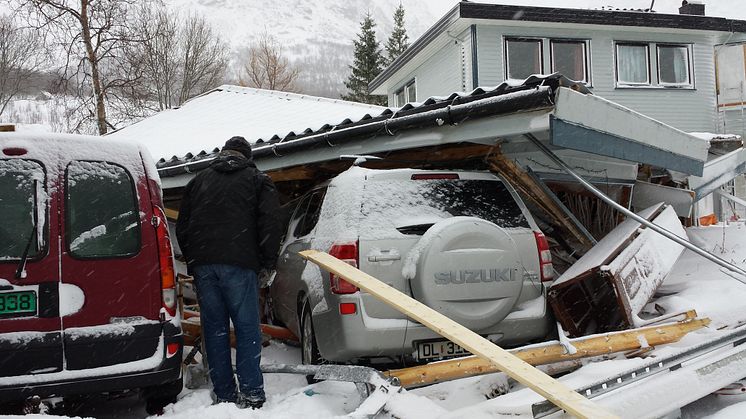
[[506, 48], [586, 56], [648, 64], [404, 90], [689, 65], [136, 207], [43, 251], [654, 66]]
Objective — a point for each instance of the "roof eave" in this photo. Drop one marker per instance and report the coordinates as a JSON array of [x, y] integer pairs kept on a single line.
[[423, 41]]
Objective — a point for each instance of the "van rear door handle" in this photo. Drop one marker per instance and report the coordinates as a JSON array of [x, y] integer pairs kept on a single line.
[[384, 258]]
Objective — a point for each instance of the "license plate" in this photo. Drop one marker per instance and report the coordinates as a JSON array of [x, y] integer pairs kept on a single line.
[[21, 303], [439, 350]]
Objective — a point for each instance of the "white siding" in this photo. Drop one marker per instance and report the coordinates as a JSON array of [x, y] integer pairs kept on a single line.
[[443, 73], [686, 109]]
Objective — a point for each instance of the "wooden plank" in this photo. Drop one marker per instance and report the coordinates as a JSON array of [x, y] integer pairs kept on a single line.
[[191, 327], [546, 354], [171, 214], [551, 389], [522, 181]]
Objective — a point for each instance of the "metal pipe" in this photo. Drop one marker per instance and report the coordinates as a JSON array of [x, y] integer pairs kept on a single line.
[[707, 255]]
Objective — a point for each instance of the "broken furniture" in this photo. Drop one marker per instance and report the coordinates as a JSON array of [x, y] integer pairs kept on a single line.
[[607, 288]]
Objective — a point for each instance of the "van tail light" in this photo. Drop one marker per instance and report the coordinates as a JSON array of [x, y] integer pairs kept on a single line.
[[172, 349], [348, 253], [545, 257], [166, 262]]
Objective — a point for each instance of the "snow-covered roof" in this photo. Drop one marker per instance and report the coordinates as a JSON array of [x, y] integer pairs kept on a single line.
[[207, 121]]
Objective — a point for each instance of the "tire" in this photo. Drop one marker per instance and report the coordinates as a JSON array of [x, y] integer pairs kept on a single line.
[[309, 353], [158, 397]]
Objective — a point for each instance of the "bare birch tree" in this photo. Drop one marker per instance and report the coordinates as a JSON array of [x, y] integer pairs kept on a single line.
[[22, 55], [267, 67], [94, 33]]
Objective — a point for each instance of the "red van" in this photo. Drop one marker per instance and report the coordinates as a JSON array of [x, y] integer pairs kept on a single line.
[[87, 291]]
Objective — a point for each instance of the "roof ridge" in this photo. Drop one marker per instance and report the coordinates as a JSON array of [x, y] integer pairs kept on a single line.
[[232, 88]]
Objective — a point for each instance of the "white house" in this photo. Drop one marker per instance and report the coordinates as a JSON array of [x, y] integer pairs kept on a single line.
[[661, 65]]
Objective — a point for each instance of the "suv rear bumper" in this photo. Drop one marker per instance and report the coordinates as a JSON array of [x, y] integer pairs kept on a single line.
[[168, 370], [347, 337]]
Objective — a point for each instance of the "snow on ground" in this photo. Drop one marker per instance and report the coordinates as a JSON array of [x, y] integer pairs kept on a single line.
[[694, 283]]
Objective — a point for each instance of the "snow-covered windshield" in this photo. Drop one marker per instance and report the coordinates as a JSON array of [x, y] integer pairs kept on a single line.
[[406, 203], [21, 185]]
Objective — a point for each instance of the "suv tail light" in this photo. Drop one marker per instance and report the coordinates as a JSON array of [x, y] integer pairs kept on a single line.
[[348, 253], [165, 261], [545, 257]]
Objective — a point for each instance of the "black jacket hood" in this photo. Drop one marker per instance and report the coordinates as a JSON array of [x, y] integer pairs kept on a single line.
[[230, 161]]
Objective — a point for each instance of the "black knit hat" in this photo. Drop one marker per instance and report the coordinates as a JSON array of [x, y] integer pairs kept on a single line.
[[239, 144]]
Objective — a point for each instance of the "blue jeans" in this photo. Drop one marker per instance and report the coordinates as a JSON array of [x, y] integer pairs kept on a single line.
[[230, 293]]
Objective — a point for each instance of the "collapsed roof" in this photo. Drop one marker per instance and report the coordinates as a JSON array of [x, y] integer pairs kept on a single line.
[[558, 111]]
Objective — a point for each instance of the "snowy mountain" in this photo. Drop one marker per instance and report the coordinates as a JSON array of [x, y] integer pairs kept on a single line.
[[317, 36]]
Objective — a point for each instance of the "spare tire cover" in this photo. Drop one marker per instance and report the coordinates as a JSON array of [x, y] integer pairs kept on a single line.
[[469, 270]]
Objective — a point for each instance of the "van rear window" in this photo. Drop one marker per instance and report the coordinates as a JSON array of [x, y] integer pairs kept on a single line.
[[22, 205], [410, 203], [102, 215]]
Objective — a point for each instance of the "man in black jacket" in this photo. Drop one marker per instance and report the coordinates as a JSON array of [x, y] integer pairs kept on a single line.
[[229, 232]]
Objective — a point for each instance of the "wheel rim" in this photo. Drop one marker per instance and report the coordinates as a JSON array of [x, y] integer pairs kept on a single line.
[[307, 339]]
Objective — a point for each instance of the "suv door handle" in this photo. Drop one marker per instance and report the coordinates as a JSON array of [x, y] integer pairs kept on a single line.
[[384, 258]]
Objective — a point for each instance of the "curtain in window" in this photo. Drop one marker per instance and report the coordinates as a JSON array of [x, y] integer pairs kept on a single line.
[[632, 64], [524, 58], [568, 58], [673, 62]]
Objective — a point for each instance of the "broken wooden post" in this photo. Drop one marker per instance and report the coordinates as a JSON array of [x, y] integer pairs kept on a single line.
[[548, 387], [524, 183], [546, 354]]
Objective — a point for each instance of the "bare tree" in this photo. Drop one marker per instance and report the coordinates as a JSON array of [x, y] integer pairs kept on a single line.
[[22, 55], [94, 34], [267, 67], [180, 57], [205, 57]]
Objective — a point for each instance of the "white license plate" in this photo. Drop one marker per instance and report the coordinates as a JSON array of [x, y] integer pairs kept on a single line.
[[439, 349]]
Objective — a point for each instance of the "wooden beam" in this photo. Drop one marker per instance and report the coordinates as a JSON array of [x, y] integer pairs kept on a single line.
[[522, 181], [192, 329], [171, 214], [554, 391], [540, 355]]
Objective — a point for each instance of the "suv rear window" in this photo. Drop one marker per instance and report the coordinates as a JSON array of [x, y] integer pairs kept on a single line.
[[409, 204], [102, 215], [21, 189]]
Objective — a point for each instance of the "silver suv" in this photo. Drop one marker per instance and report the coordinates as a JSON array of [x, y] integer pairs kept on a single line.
[[461, 242]]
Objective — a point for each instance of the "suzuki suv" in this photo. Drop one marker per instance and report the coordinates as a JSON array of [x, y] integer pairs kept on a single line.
[[87, 297], [462, 243]]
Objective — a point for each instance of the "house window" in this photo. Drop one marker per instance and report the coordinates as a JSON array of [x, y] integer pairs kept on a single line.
[[673, 65], [523, 58], [570, 59], [406, 94], [633, 64]]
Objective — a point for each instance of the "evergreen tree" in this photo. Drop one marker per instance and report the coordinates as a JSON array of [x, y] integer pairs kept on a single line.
[[398, 41], [367, 64]]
